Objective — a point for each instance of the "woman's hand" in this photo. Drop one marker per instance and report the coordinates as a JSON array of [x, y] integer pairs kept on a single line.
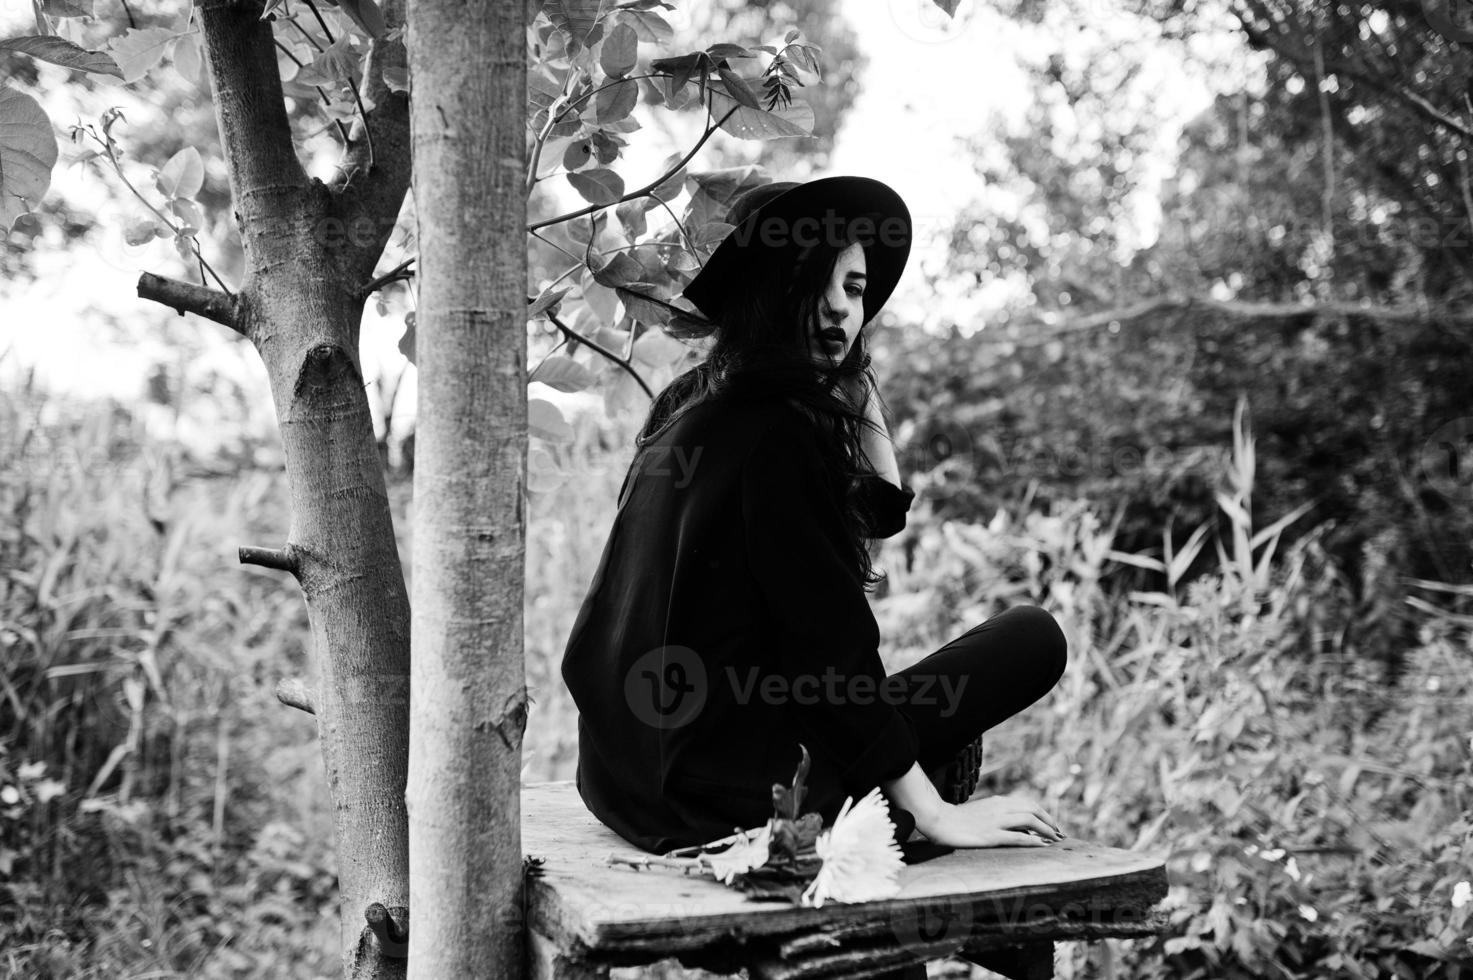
[[993, 821]]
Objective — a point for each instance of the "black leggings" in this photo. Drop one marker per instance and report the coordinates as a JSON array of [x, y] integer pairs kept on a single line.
[[996, 669], [986, 675]]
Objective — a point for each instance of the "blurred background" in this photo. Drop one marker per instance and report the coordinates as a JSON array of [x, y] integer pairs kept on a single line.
[[1183, 354]]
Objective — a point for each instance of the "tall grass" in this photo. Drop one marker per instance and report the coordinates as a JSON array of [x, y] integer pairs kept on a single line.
[[1319, 817], [161, 815]]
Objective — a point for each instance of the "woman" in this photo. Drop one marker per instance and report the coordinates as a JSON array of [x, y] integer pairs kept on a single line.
[[727, 621]]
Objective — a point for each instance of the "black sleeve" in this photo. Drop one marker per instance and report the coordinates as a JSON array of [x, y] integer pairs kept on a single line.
[[824, 629], [884, 504]]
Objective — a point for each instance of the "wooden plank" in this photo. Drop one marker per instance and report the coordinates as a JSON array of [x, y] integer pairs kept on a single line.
[[548, 962], [1029, 961], [579, 899]]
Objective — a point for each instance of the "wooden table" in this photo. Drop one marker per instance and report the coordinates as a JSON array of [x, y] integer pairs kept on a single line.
[[1000, 907]]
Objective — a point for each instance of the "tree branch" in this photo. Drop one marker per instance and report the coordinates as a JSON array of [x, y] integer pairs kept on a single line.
[[570, 333], [643, 190], [254, 131], [294, 693], [281, 560], [1242, 309], [186, 297], [391, 927], [374, 176], [400, 271]]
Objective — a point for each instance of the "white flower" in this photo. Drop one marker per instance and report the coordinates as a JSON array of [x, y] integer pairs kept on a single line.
[[1309, 912], [750, 851], [860, 856], [1291, 868], [1462, 894]]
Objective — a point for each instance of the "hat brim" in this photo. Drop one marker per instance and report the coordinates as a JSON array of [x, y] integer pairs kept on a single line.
[[806, 214]]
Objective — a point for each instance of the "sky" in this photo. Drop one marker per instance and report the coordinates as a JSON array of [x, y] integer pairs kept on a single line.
[[930, 81]]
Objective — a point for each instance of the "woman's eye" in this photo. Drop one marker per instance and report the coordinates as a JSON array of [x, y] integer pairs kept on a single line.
[[855, 291]]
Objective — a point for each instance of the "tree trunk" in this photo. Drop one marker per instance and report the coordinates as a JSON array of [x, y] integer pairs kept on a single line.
[[469, 701], [310, 248]]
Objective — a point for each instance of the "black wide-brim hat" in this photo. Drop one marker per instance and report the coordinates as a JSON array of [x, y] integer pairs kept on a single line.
[[786, 215]]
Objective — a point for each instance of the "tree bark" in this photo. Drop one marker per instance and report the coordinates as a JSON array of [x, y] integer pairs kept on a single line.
[[469, 700], [300, 306]]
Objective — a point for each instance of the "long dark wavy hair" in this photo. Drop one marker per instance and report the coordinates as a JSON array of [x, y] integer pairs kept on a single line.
[[760, 348]]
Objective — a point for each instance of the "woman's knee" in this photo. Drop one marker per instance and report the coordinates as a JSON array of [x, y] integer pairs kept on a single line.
[[1044, 637]]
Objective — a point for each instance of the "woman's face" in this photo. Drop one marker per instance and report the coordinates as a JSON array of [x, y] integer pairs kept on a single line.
[[840, 309]]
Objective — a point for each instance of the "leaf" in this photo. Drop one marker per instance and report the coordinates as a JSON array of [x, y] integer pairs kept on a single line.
[[758, 124], [546, 302], [602, 300], [543, 473], [577, 154], [187, 213], [631, 215], [60, 51], [563, 373], [712, 233], [688, 325], [621, 270], [28, 151], [805, 57], [286, 66], [406, 342], [338, 62], [681, 67], [621, 394], [724, 50], [606, 147], [69, 8], [1139, 561], [397, 79], [1180, 562], [600, 186], [183, 175], [648, 25], [1273, 529], [669, 189], [574, 19], [641, 303], [620, 51], [737, 88], [366, 15], [141, 229], [947, 6], [545, 421], [655, 348], [616, 103], [184, 245], [1234, 510], [139, 49], [186, 58]]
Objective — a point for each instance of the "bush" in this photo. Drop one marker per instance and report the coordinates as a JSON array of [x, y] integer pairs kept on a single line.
[[1316, 810]]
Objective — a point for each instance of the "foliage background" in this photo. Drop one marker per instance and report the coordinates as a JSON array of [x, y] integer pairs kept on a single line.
[[1285, 710]]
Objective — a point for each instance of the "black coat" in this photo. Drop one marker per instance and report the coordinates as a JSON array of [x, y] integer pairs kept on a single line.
[[725, 581]]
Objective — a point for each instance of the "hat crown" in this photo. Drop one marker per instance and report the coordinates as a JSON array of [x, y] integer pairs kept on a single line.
[[749, 202], [885, 234]]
